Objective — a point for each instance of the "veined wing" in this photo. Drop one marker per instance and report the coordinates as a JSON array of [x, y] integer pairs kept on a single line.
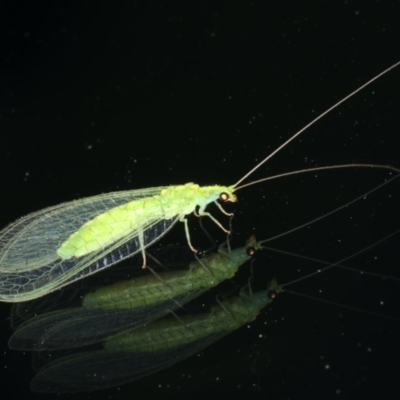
[[29, 264], [135, 354], [49, 323], [71, 296], [125, 304], [101, 369], [22, 312], [26, 244], [80, 326]]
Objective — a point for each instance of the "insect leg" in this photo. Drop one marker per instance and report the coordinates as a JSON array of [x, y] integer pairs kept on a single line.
[[225, 308], [203, 213], [204, 265], [142, 249], [184, 220], [222, 209]]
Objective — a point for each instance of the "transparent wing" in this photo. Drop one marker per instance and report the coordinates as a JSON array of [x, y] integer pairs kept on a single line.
[[60, 320], [138, 353], [25, 243], [68, 297], [169, 258], [125, 304], [80, 326], [29, 264], [102, 369]]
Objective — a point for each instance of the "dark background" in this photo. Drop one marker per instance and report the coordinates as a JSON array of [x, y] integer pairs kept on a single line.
[[106, 96]]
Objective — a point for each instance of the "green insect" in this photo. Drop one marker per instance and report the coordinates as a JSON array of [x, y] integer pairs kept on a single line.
[[124, 304], [136, 353], [51, 248]]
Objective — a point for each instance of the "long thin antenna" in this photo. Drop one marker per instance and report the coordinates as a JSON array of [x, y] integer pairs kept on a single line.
[[335, 210], [316, 169], [316, 260], [338, 263], [342, 305], [314, 121]]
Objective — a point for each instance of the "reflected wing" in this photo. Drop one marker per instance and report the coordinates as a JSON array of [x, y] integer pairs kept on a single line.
[[127, 304], [80, 326], [68, 297], [175, 257], [102, 369], [138, 353]]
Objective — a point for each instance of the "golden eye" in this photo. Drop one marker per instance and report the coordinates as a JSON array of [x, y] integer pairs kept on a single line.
[[224, 197], [272, 294], [251, 251]]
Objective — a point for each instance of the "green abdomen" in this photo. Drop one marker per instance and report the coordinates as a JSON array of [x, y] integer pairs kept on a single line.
[[127, 219]]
